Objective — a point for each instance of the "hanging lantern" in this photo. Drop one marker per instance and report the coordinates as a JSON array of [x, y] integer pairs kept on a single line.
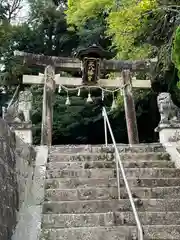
[[68, 102], [59, 89], [102, 95], [79, 92], [114, 105], [89, 99]]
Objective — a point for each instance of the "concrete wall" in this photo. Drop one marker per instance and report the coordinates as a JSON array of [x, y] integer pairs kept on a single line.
[[29, 222], [16, 174]]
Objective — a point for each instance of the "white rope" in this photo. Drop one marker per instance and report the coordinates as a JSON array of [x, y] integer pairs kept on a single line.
[[89, 87]]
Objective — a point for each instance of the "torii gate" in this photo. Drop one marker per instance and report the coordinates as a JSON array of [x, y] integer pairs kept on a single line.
[[50, 79]]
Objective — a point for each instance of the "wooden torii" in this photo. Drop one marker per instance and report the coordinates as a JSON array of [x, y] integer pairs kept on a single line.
[[50, 79]]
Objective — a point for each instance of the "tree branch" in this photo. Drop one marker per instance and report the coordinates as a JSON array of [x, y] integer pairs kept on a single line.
[[14, 6]]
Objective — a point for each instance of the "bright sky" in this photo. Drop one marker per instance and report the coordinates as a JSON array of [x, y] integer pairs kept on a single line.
[[22, 16]]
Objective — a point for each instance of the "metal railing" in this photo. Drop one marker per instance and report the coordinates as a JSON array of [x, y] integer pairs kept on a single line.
[[11, 111], [14, 97], [119, 165]]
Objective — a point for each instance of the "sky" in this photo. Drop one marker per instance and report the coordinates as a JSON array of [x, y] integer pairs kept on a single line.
[[23, 14]]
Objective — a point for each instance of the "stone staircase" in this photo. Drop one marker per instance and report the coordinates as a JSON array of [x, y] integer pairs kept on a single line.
[[81, 194]]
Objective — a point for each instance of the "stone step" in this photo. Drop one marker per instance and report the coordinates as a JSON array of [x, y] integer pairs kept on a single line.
[[146, 218], [64, 157], [108, 164], [109, 219], [111, 173], [110, 193], [152, 147], [101, 206], [68, 183], [153, 232]]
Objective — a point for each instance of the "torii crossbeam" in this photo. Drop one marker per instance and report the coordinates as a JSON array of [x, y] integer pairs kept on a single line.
[[73, 64]]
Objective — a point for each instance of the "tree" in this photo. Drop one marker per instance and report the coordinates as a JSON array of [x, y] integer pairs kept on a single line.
[[10, 9], [139, 29], [50, 23]]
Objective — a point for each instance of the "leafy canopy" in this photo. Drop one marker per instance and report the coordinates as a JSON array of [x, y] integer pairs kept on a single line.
[[176, 50], [125, 22]]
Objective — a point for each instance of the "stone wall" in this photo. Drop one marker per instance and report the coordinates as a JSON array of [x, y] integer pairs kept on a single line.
[[25, 158], [16, 174]]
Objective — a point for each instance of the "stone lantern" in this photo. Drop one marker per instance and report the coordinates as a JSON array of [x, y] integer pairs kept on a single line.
[[91, 58]]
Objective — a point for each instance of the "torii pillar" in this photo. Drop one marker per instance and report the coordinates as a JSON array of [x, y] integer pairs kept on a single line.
[[129, 107]]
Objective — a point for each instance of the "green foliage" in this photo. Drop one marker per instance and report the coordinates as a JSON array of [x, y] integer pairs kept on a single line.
[[124, 25], [82, 123], [138, 29], [80, 11], [176, 50]]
